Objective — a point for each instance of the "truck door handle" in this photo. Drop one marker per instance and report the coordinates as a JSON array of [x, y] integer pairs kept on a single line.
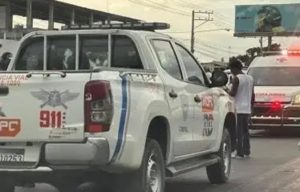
[[197, 99], [173, 94], [4, 90]]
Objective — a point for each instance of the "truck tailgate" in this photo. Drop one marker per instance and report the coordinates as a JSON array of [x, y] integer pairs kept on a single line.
[[42, 108]]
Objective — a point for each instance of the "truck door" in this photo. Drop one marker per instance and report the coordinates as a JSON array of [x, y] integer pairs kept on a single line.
[[202, 117], [177, 97]]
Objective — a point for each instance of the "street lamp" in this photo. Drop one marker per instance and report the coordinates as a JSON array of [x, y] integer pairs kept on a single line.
[[209, 30]]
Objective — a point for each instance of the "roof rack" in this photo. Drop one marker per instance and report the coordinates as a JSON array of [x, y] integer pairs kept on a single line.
[[131, 26]]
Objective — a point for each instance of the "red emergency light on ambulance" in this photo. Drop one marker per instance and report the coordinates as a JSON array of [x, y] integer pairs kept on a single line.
[[277, 90]]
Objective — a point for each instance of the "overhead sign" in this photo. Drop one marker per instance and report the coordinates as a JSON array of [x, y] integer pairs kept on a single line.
[[267, 20]]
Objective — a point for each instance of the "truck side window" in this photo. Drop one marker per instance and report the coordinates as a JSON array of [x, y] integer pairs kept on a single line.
[[167, 58], [193, 70], [31, 56], [61, 53], [125, 54], [93, 52]]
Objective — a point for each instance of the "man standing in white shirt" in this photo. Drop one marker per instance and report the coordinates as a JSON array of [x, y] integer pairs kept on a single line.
[[242, 91]]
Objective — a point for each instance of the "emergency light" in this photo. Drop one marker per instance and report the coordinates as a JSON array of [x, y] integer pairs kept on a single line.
[[130, 26]]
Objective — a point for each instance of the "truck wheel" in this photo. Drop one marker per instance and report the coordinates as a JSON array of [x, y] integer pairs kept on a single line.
[[219, 172], [151, 175]]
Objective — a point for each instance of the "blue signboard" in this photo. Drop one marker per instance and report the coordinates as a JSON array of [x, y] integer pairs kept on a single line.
[[273, 19]]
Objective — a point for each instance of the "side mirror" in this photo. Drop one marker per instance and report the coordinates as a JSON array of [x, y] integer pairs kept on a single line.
[[219, 79], [196, 80]]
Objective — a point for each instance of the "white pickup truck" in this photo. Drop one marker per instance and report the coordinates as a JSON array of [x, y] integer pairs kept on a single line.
[[124, 107]]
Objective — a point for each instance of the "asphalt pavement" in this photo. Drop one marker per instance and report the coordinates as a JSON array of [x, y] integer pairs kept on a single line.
[[274, 166]]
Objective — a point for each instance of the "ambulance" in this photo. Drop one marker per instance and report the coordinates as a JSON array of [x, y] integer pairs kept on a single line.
[[277, 91]]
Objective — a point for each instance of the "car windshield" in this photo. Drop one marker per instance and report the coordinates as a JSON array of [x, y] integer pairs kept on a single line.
[[269, 76]]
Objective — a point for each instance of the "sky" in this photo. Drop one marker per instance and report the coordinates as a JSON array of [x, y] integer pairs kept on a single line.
[[213, 45]]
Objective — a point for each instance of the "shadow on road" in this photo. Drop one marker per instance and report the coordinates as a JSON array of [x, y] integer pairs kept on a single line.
[[187, 186], [276, 133]]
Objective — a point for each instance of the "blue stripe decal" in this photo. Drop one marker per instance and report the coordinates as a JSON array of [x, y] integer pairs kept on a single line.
[[122, 119]]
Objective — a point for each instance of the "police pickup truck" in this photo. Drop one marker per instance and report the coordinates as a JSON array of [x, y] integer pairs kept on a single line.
[[124, 107], [277, 91]]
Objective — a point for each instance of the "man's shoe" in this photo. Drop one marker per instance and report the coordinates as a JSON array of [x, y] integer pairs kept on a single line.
[[233, 155], [247, 156], [239, 157]]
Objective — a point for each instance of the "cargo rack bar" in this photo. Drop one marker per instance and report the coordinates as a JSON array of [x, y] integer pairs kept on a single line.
[[129, 26]]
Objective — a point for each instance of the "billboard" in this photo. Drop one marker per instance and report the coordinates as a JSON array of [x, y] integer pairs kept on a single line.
[[266, 20]]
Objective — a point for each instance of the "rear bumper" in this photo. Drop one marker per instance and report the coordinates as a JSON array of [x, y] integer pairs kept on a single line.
[[94, 152], [62, 160], [288, 116], [65, 156]]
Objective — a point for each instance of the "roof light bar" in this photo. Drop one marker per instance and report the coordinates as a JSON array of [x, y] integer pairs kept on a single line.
[[131, 26]]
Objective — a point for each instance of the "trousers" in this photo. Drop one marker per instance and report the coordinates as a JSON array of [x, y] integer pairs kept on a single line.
[[242, 133]]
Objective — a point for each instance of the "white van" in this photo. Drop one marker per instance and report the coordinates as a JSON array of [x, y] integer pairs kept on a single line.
[[277, 91]]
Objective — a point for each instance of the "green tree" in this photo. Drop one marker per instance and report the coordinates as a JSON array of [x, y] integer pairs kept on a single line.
[[253, 52]]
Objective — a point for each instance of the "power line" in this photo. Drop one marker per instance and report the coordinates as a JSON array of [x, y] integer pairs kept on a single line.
[[220, 18], [219, 49], [206, 54], [214, 43], [159, 7]]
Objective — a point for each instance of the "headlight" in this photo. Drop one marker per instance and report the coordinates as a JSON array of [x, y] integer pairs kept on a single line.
[[296, 100]]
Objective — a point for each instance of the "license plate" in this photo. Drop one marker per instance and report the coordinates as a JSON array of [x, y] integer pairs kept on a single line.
[[12, 155]]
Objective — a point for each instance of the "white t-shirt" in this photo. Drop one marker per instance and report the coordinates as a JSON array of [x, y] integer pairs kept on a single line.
[[244, 94]]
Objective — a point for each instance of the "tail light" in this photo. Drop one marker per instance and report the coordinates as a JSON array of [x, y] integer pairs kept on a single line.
[[276, 106], [98, 106]]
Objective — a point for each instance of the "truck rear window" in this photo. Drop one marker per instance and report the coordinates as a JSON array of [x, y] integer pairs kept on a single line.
[[31, 56], [61, 53], [92, 50]]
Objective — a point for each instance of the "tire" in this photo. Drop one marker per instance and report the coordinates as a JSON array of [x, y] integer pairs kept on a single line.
[[219, 173], [140, 180]]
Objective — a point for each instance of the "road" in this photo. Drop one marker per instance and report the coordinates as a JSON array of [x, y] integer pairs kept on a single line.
[[273, 160], [274, 166]]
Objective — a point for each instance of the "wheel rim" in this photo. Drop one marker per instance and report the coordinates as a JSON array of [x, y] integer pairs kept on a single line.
[[153, 175], [226, 158]]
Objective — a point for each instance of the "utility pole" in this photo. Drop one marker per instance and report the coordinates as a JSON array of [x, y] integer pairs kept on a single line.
[[261, 45], [196, 16], [269, 42]]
